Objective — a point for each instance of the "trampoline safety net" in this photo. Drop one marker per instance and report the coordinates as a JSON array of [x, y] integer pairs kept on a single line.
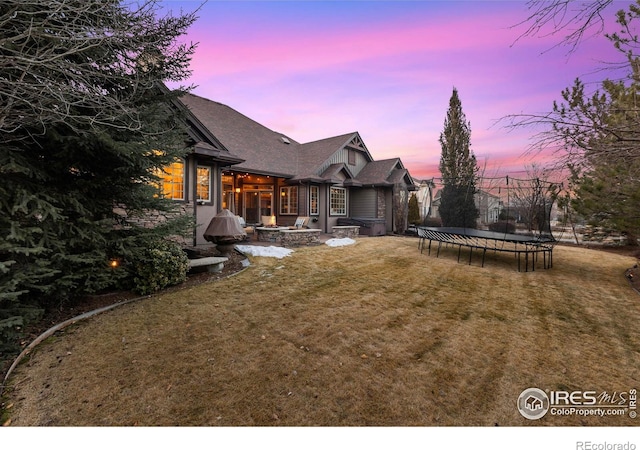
[[501, 214]]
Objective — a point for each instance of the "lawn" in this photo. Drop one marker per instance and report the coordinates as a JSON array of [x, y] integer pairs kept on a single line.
[[368, 334]]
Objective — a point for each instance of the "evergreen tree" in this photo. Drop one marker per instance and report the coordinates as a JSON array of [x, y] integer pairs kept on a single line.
[[458, 169], [414, 210], [597, 134], [85, 123]]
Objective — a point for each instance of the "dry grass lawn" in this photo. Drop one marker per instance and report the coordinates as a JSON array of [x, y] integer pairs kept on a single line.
[[369, 334]]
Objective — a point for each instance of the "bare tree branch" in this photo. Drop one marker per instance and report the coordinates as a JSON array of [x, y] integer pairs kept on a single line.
[[83, 63], [575, 19]]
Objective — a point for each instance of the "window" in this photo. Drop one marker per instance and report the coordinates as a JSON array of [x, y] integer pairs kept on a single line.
[[352, 157], [203, 186], [172, 180], [314, 200], [289, 200], [338, 201]]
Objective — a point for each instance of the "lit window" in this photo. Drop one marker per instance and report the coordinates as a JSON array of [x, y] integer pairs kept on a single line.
[[338, 201], [203, 188], [172, 180], [289, 200], [314, 200]]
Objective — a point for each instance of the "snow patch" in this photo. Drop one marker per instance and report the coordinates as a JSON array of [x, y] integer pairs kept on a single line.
[[271, 251], [335, 242]]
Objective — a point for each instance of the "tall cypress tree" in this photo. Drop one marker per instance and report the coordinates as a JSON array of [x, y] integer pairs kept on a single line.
[[458, 169]]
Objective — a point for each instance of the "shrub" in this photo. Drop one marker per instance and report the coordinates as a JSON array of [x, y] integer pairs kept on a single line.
[[12, 324], [503, 226], [414, 211], [159, 267], [432, 222]]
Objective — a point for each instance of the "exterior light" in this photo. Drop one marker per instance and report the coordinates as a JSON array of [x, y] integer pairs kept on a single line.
[[238, 190], [114, 263]]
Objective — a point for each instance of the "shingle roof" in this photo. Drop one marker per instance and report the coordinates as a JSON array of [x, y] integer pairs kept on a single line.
[[269, 152], [263, 150], [314, 154], [330, 174], [378, 172]]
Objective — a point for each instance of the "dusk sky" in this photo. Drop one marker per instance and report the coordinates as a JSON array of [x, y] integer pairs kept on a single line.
[[387, 69]]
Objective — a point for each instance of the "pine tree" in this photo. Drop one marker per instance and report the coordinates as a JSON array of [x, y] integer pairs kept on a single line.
[[85, 123], [458, 169]]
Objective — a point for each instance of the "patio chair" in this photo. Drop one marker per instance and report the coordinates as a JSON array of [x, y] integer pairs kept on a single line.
[[301, 222], [248, 229]]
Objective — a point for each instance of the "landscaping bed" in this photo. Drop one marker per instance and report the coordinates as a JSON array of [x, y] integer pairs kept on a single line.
[[93, 302]]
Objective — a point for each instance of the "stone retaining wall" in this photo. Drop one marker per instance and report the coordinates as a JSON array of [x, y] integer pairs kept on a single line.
[[345, 231], [601, 235], [287, 237], [296, 238]]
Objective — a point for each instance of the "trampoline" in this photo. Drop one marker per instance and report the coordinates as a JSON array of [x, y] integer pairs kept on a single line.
[[508, 215], [529, 246]]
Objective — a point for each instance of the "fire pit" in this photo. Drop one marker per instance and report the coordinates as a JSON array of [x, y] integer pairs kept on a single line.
[[225, 231]]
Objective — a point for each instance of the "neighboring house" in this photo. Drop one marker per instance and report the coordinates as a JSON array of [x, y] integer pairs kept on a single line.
[[489, 207], [241, 165], [434, 211], [424, 195]]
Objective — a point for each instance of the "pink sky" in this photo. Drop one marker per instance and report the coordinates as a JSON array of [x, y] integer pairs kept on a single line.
[[313, 70]]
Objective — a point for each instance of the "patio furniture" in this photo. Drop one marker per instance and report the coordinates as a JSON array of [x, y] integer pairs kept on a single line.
[[301, 222]]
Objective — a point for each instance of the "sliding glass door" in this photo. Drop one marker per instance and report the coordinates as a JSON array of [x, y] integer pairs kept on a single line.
[[257, 203]]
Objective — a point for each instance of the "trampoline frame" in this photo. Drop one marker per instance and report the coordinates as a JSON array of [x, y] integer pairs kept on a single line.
[[518, 244]]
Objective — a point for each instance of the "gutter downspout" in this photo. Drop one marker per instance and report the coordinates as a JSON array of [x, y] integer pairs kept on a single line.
[[327, 193], [194, 198]]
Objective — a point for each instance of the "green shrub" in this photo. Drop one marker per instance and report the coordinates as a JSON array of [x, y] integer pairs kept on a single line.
[[432, 222], [159, 267], [12, 323], [414, 211]]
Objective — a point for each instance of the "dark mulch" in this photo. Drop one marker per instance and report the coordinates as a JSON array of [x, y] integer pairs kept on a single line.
[[92, 302], [633, 273]]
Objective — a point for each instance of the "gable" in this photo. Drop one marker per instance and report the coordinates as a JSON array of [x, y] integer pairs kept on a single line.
[[336, 173], [348, 149]]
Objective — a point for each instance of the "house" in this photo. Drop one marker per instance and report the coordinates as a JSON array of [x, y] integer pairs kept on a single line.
[[489, 207], [424, 195], [434, 210], [238, 164]]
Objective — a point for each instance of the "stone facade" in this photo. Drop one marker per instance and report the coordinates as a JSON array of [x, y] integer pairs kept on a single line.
[[296, 238], [345, 231], [382, 203], [154, 218], [288, 237]]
